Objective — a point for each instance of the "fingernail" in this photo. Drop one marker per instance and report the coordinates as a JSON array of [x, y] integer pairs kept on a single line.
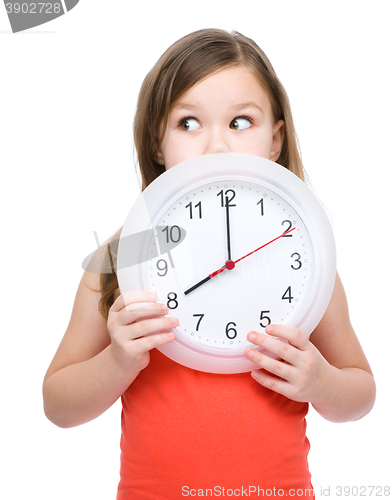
[[174, 320], [153, 296], [252, 337], [269, 329], [165, 309], [251, 353]]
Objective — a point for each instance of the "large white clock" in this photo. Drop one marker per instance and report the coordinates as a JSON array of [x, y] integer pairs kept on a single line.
[[230, 243]]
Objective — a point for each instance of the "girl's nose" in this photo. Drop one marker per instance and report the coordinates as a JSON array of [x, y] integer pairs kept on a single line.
[[217, 142]]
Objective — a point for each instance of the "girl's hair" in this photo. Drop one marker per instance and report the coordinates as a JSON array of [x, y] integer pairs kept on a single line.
[[182, 66]]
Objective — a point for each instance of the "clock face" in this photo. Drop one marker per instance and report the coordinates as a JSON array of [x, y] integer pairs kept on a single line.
[[232, 250], [269, 285]]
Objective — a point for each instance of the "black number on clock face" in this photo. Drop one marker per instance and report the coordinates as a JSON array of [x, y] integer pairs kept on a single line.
[[172, 302], [287, 295], [231, 333], [264, 319], [288, 229], [296, 260], [200, 316], [198, 205], [227, 200], [261, 203]]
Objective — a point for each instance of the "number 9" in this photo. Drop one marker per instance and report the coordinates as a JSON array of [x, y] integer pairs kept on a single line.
[[163, 269]]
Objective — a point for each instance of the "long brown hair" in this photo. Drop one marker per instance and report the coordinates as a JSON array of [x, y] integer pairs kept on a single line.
[[182, 66]]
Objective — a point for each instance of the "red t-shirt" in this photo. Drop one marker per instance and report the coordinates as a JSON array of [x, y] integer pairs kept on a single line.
[[187, 433]]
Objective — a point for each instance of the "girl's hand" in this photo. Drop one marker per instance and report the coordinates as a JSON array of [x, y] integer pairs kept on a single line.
[[301, 373], [133, 317]]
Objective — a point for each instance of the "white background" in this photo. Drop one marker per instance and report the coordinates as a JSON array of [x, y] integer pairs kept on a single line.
[[67, 98]]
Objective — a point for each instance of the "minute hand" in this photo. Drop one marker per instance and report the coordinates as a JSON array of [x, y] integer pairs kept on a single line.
[[230, 264]]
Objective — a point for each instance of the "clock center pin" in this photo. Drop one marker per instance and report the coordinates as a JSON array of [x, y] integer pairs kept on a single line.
[[230, 265]]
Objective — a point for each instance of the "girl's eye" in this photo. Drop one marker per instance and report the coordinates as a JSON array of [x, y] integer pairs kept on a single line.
[[240, 123], [189, 124]]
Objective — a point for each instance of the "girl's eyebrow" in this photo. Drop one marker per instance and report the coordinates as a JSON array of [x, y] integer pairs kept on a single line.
[[184, 105], [237, 107], [248, 104]]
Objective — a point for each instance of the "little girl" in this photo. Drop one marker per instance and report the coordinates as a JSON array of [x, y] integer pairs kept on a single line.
[[184, 432]]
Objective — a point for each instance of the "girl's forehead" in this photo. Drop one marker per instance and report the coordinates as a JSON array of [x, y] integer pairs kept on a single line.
[[227, 76], [236, 86]]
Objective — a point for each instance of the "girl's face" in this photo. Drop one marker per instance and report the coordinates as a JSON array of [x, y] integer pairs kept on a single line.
[[226, 112]]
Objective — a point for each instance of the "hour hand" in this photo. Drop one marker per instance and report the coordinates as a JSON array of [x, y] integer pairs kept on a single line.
[[197, 285], [229, 265]]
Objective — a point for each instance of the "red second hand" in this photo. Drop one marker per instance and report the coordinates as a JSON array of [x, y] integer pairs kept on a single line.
[[231, 264]]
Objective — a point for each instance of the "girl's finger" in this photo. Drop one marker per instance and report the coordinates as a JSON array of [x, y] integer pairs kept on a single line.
[[131, 297], [278, 368], [274, 345], [145, 344], [273, 383], [149, 327], [147, 310], [294, 336], [137, 305]]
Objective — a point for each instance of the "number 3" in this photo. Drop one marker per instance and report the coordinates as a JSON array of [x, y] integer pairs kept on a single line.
[[296, 260]]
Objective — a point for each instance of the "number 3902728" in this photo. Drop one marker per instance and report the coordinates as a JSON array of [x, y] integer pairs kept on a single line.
[[33, 8]]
